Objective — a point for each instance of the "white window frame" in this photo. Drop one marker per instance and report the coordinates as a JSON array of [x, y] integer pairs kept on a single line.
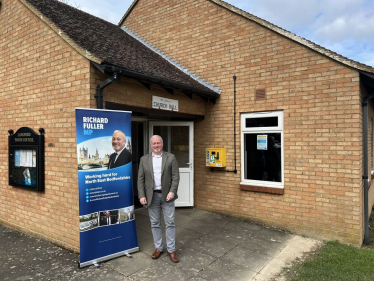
[[261, 130]]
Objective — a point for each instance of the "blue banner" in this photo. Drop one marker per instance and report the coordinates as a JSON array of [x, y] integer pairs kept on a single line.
[[106, 204]]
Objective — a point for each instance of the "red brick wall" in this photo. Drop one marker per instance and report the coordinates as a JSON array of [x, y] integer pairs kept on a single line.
[[322, 116], [42, 81]]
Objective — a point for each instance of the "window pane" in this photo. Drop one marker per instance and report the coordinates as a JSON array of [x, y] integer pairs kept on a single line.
[[262, 163], [176, 141], [261, 122]]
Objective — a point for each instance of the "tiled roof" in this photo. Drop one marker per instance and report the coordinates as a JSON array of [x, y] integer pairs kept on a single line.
[[105, 43], [290, 35]]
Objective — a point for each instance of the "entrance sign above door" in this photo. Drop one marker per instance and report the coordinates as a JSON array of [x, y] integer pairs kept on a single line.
[[164, 103]]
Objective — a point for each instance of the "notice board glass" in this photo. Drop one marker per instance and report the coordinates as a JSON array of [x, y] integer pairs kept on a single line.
[[22, 167]]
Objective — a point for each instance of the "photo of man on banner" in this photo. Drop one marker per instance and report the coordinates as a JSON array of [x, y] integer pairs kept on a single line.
[[121, 156]]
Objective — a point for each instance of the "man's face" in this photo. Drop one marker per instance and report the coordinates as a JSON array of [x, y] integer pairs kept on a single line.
[[118, 141], [107, 214], [156, 145]]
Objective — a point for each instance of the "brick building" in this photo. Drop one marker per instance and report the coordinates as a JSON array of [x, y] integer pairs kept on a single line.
[[54, 59], [298, 123], [315, 94]]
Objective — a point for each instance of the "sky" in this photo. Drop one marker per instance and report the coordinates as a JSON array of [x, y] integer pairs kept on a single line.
[[343, 26]]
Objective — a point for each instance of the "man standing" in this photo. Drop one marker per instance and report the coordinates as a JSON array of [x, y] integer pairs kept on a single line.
[[121, 156], [129, 215], [158, 181], [108, 219]]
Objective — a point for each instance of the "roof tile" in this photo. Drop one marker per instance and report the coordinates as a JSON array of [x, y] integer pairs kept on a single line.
[[113, 46]]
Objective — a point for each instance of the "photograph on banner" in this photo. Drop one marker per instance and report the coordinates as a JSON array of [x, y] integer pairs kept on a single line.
[[109, 217], [127, 214], [104, 154], [88, 222], [96, 154]]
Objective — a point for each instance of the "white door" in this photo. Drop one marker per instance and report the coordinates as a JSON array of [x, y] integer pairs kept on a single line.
[[178, 139]]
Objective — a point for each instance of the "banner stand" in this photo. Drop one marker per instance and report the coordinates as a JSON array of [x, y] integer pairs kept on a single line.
[[109, 257], [106, 203]]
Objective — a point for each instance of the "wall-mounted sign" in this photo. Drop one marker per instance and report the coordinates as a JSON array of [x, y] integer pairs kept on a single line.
[[26, 159], [164, 103], [262, 142]]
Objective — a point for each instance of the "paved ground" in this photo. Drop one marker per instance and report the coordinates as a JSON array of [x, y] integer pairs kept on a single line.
[[210, 247]]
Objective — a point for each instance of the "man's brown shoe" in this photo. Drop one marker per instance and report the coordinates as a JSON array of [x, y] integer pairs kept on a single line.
[[156, 254], [173, 257]]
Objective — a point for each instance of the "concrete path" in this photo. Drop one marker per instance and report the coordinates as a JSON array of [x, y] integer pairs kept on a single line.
[[209, 246]]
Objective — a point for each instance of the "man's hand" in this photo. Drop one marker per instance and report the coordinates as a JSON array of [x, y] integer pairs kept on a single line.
[[170, 196], [143, 201]]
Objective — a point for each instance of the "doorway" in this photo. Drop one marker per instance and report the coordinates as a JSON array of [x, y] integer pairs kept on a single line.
[[138, 145], [178, 139]]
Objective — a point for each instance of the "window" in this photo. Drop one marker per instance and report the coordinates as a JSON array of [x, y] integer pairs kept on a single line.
[[262, 149]]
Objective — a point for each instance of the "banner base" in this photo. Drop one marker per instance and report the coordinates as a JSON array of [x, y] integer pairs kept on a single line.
[[109, 257]]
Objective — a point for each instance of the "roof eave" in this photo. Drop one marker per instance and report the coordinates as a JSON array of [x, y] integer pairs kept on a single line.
[[156, 80]]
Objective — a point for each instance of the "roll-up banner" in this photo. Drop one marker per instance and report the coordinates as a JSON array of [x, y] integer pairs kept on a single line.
[[106, 203]]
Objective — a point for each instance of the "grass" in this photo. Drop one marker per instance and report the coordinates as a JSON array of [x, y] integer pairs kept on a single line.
[[336, 262]]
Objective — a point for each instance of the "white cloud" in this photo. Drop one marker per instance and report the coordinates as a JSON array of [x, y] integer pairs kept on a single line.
[[357, 25]]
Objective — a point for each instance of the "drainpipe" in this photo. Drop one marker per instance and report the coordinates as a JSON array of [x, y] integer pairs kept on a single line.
[[365, 177], [234, 77], [100, 89]]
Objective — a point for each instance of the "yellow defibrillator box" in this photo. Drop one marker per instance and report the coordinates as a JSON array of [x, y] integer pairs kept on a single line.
[[215, 157]]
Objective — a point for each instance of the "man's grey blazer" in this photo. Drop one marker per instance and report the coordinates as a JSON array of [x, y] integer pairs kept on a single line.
[[169, 177]]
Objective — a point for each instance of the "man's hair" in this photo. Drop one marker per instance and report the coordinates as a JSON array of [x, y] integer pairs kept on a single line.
[[119, 131], [150, 140]]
